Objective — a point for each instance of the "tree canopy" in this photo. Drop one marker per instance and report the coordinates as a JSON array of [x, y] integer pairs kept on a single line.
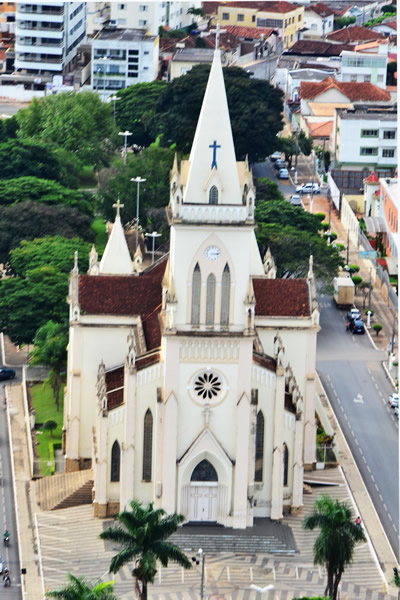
[[266, 189], [283, 213], [255, 109], [30, 158], [136, 110], [44, 191], [80, 123], [80, 589], [28, 220]]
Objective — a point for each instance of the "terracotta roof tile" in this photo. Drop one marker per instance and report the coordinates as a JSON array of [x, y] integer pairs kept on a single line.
[[282, 297], [354, 33], [249, 32], [115, 383], [265, 361], [320, 9], [271, 7], [317, 48], [320, 129], [391, 24], [126, 296], [372, 178], [354, 91]]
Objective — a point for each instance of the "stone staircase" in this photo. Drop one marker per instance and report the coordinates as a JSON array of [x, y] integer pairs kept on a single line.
[[64, 490]]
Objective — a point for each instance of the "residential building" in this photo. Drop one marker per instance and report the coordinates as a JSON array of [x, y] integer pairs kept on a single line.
[[192, 383], [353, 34], [289, 80], [286, 17], [7, 17], [48, 36], [365, 138], [387, 27], [362, 65], [184, 59], [122, 57], [98, 16], [318, 20], [152, 15], [389, 210]]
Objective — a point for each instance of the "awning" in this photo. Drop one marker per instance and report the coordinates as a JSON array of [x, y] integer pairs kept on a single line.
[[375, 224]]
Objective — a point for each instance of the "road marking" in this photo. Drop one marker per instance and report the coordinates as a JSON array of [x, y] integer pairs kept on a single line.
[[356, 441], [358, 399], [334, 391], [352, 433], [372, 477], [368, 469], [377, 386], [339, 400], [390, 517], [364, 459], [380, 393], [380, 496], [329, 379], [373, 378], [341, 408], [384, 506], [376, 487], [394, 527], [369, 370], [345, 416]]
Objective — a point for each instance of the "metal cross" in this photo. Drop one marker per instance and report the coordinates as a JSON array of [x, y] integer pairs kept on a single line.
[[118, 205], [217, 32], [214, 146]]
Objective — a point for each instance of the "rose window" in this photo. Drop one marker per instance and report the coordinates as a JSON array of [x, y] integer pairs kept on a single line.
[[207, 386]]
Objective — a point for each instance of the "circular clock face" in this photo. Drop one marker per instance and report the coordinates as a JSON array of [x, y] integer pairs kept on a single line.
[[212, 252]]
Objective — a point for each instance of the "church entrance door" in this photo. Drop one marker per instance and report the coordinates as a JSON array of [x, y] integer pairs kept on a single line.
[[203, 496]]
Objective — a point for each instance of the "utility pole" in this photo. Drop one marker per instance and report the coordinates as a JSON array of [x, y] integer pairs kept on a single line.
[[138, 180]]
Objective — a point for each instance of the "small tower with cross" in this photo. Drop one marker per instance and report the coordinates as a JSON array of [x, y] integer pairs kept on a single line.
[[116, 258]]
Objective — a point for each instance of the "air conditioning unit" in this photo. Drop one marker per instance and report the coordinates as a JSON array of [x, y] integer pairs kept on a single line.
[[112, 24]]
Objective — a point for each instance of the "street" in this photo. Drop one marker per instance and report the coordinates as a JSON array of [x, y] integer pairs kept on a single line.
[[357, 388]]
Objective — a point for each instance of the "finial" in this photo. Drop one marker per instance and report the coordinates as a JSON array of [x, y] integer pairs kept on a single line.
[[310, 267], [217, 32], [76, 260], [118, 205]]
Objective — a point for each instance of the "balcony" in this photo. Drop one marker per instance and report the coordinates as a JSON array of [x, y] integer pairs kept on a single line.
[[41, 58], [206, 213], [34, 9], [23, 26], [20, 42]]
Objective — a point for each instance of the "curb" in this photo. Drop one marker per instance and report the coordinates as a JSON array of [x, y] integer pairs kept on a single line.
[[371, 340], [388, 375]]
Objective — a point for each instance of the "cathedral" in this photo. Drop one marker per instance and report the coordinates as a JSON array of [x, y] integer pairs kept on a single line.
[[191, 383]]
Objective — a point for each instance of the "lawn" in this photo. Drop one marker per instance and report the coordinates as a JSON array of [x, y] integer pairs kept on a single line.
[[45, 409]]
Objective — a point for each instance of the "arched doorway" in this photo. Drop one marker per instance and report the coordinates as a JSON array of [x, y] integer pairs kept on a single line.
[[203, 492]]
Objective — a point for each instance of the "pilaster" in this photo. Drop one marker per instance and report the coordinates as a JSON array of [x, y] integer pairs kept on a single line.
[[169, 454], [277, 465], [128, 466], [298, 471], [241, 480]]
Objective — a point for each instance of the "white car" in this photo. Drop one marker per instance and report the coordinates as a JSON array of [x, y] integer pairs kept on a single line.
[[295, 200], [393, 400], [283, 174], [306, 188], [275, 156]]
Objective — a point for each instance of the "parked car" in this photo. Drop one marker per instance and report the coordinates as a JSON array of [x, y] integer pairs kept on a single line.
[[394, 400], [279, 164], [283, 174], [6, 373], [353, 313], [357, 326], [306, 188], [275, 156], [295, 200], [396, 412]]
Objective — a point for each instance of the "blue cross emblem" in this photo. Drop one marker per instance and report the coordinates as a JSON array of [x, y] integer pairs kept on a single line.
[[214, 146]]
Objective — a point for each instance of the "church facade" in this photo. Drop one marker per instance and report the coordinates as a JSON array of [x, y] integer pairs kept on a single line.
[[191, 383]]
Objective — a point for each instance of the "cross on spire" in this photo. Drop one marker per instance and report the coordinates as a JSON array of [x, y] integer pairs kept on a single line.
[[214, 146], [217, 32], [118, 205]]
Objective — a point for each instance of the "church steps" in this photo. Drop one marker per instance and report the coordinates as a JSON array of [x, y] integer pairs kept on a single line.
[[52, 491], [231, 543]]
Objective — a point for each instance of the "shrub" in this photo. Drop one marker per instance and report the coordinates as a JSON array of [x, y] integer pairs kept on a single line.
[[50, 425], [356, 279], [321, 216], [332, 235], [324, 226], [339, 247], [377, 327], [354, 269]]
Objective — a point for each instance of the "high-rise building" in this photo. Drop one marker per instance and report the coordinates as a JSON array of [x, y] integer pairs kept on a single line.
[[152, 15], [48, 35]]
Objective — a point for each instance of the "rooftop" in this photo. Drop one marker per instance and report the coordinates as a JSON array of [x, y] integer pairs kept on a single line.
[[309, 74], [354, 91], [250, 32], [281, 297], [354, 33], [124, 35], [320, 9], [317, 48], [270, 7], [365, 115], [200, 55]]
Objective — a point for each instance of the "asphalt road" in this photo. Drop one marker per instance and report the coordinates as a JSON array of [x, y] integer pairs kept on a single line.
[[7, 510], [355, 382]]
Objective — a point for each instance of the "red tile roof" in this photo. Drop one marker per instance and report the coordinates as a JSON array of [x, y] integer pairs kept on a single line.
[[271, 7], [115, 384], [317, 48], [126, 296], [391, 24], [282, 297], [250, 32], [372, 178], [354, 33], [363, 92], [323, 129], [320, 9]]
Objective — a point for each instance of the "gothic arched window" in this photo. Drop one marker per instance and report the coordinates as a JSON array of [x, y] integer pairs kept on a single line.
[[285, 464], [196, 291], [204, 472], [147, 445], [258, 473], [210, 299], [115, 461], [213, 195], [225, 295]]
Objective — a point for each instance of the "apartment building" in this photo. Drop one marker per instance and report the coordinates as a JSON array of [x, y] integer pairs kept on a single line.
[[152, 15], [365, 66], [389, 210], [47, 36], [122, 57]]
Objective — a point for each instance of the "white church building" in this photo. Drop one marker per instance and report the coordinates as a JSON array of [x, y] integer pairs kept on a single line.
[[191, 383]]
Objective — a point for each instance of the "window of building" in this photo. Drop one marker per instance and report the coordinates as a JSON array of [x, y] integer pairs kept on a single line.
[[353, 78], [196, 291], [225, 16], [388, 153], [270, 23], [121, 21], [133, 53], [258, 473], [285, 22], [146, 52], [204, 472], [142, 22], [389, 134], [147, 445], [240, 17], [368, 151], [285, 464], [142, 7], [291, 37], [133, 74], [380, 78], [369, 133], [210, 300], [121, 6], [299, 18], [225, 295], [253, 18], [213, 195], [367, 78], [115, 461]]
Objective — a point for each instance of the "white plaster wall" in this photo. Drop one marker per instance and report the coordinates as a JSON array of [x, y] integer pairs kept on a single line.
[[351, 142], [115, 432]]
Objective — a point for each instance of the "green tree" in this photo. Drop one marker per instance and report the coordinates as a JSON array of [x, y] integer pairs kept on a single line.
[[50, 425], [391, 71], [266, 189], [57, 252], [28, 303], [44, 191], [287, 145], [143, 533], [136, 109], [341, 22], [50, 350], [283, 213], [80, 123], [335, 544], [30, 158], [198, 12], [8, 129], [80, 589], [255, 109], [28, 220]]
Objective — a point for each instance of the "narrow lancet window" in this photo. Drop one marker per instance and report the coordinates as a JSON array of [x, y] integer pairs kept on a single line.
[[115, 461], [210, 300], [196, 291], [225, 296], [258, 474], [213, 195], [147, 445]]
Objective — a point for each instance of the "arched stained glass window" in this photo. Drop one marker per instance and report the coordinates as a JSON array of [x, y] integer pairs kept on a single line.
[[115, 461], [210, 300], [258, 474], [225, 295], [204, 472], [147, 445], [213, 195], [196, 291]]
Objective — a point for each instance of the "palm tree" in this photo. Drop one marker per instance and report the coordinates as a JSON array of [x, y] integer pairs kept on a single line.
[[143, 536], [334, 547], [80, 589]]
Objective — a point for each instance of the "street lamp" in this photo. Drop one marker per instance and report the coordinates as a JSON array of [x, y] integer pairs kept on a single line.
[[138, 180], [153, 235], [114, 99], [262, 591], [202, 559], [125, 133]]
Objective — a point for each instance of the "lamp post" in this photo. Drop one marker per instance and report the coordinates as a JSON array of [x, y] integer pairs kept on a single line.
[[202, 556], [138, 180], [125, 133], [114, 99], [262, 591], [153, 235]]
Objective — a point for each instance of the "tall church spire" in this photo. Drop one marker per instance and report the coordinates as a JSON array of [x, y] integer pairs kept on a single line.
[[212, 160], [116, 258]]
